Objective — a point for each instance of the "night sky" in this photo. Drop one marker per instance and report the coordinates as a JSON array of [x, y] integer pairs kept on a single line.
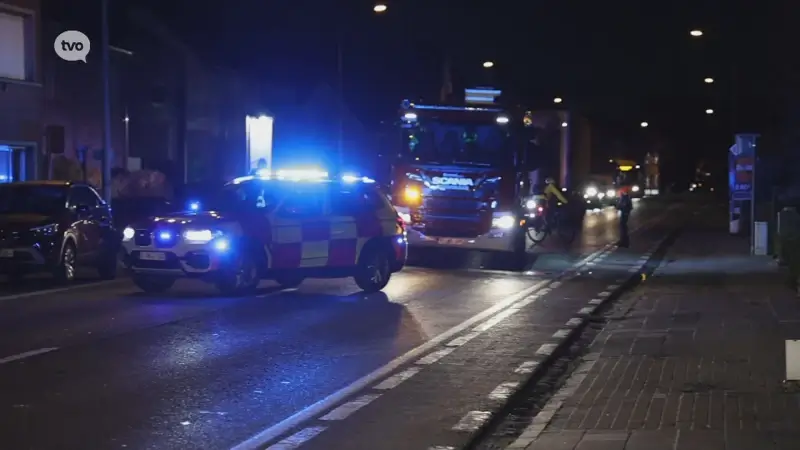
[[619, 62]]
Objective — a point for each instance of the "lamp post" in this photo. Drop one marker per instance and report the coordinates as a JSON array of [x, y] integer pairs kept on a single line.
[[107, 151]]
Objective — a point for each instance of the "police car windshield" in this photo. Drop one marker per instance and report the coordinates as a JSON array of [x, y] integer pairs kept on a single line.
[[449, 142], [252, 194]]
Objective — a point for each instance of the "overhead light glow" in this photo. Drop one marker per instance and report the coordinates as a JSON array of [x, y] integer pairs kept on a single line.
[[380, 7], [558, 100]]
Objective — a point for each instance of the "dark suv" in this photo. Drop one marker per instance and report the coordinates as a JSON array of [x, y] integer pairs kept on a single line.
[[55, 226]]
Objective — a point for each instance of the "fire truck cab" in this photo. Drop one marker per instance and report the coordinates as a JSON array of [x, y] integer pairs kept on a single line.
[[460, 178]]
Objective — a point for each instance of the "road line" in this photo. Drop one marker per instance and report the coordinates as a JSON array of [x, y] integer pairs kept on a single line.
[[262, 438], [527, 367], [561, 334], [59, 289], [575, 322], [546, 350], [296, 440], [596, 301], [435, 356], [472, 421], [459, 341], [347, 409], [395, 380], [502, 392], [24, 355]]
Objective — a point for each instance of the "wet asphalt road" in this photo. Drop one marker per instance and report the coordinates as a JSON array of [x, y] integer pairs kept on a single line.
[[106, 367]]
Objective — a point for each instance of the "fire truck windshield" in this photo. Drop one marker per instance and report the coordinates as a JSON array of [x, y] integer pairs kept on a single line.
[[434, 141]]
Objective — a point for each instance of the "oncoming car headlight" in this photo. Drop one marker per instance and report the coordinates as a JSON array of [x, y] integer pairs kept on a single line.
[[591, 191], [199, 236], [611, 193], [128, 233], [635, 189], [530, 204], [503, 222]]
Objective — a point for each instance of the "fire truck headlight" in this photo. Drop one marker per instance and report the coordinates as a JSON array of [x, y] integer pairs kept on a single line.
[[635, 189], [530, 204], [503, 222], [412, 194]]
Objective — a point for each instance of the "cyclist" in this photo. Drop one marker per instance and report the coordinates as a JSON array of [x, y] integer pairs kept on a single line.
[[552, 194]]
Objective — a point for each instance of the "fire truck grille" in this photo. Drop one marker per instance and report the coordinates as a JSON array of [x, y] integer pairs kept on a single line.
[[454, 217]]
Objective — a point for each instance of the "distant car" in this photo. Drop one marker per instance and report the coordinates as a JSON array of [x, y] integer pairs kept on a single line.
[[261, 228], [56, 227]]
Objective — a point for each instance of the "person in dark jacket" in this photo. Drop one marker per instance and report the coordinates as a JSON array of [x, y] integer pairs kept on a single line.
[[625, 206]]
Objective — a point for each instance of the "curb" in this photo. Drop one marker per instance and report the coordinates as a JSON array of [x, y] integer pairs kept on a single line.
[[562, 341]]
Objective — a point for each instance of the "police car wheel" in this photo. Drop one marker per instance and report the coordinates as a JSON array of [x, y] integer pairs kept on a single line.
[[241, 279], [153, 284], [373, 271]]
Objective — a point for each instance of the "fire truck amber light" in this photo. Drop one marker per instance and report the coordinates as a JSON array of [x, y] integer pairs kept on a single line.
[[504, 222], [127, 234], [199, 236], [412, 194]]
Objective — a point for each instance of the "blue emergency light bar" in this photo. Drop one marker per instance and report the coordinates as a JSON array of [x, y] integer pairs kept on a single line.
[[454, 108], [300, 175]]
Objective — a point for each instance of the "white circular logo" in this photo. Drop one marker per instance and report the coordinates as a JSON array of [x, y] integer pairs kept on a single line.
[[72, 45]]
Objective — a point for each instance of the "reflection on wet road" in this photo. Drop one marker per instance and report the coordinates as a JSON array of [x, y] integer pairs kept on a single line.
[[107, 367]]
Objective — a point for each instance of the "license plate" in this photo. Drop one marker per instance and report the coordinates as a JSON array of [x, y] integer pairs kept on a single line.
[[452, 241], [6, 253], [152, 256]]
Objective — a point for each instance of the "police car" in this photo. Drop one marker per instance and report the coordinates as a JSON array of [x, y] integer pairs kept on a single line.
[[285, 226]]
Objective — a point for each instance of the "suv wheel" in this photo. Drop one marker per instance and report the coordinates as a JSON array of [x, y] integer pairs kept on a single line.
[[289, 281], [65, 270], [373, 271], [243, 278], [153, 284]]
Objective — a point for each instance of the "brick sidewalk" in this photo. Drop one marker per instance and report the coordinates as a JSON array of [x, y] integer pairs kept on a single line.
[[693, 359]]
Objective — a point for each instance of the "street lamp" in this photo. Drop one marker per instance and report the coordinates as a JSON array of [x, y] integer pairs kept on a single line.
[[644, 124], [380, 8], [709, 111], [557, 100], [488, 64], [708, 80], [696, 33]]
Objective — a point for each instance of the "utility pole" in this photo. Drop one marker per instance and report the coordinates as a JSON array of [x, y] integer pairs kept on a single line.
[[108, 156]]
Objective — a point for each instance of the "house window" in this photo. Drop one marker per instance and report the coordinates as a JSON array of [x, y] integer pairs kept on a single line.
[[13, 52]]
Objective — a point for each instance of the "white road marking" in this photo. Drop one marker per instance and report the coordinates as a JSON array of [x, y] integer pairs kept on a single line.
[[575, 322], [459, 341], [596, 301], [561, 334], [546, 349], [28, 354], [442, 447], [543, 418], [60, 289], [588, 311], [393, 381], [262, 438], [503, 391], [634, 269], [612, 287], [350, 407], [527, 367], [496, 319], [296, 440], [472, 421], [555, 285], [435, 356], [604, 294]]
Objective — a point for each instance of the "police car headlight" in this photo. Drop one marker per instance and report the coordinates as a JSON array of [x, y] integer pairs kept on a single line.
[[198, 236], [503, 222], [128, 233], [591, 191], [530, 204]]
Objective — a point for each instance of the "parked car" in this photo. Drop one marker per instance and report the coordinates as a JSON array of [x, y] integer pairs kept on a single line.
[[55, 227]]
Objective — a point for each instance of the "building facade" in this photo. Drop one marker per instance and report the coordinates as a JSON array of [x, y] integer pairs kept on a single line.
[[20, 89]]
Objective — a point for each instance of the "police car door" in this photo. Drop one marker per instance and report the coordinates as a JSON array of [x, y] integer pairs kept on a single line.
[[300, 228], [346, 205]]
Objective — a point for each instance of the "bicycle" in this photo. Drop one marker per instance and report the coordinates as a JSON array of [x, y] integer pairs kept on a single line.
[[539, 227]]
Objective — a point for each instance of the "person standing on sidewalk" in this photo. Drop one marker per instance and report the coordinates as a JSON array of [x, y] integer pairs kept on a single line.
[[625, 206]]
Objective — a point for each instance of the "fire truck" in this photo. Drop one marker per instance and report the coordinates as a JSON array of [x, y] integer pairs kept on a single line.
[[464, 175]]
